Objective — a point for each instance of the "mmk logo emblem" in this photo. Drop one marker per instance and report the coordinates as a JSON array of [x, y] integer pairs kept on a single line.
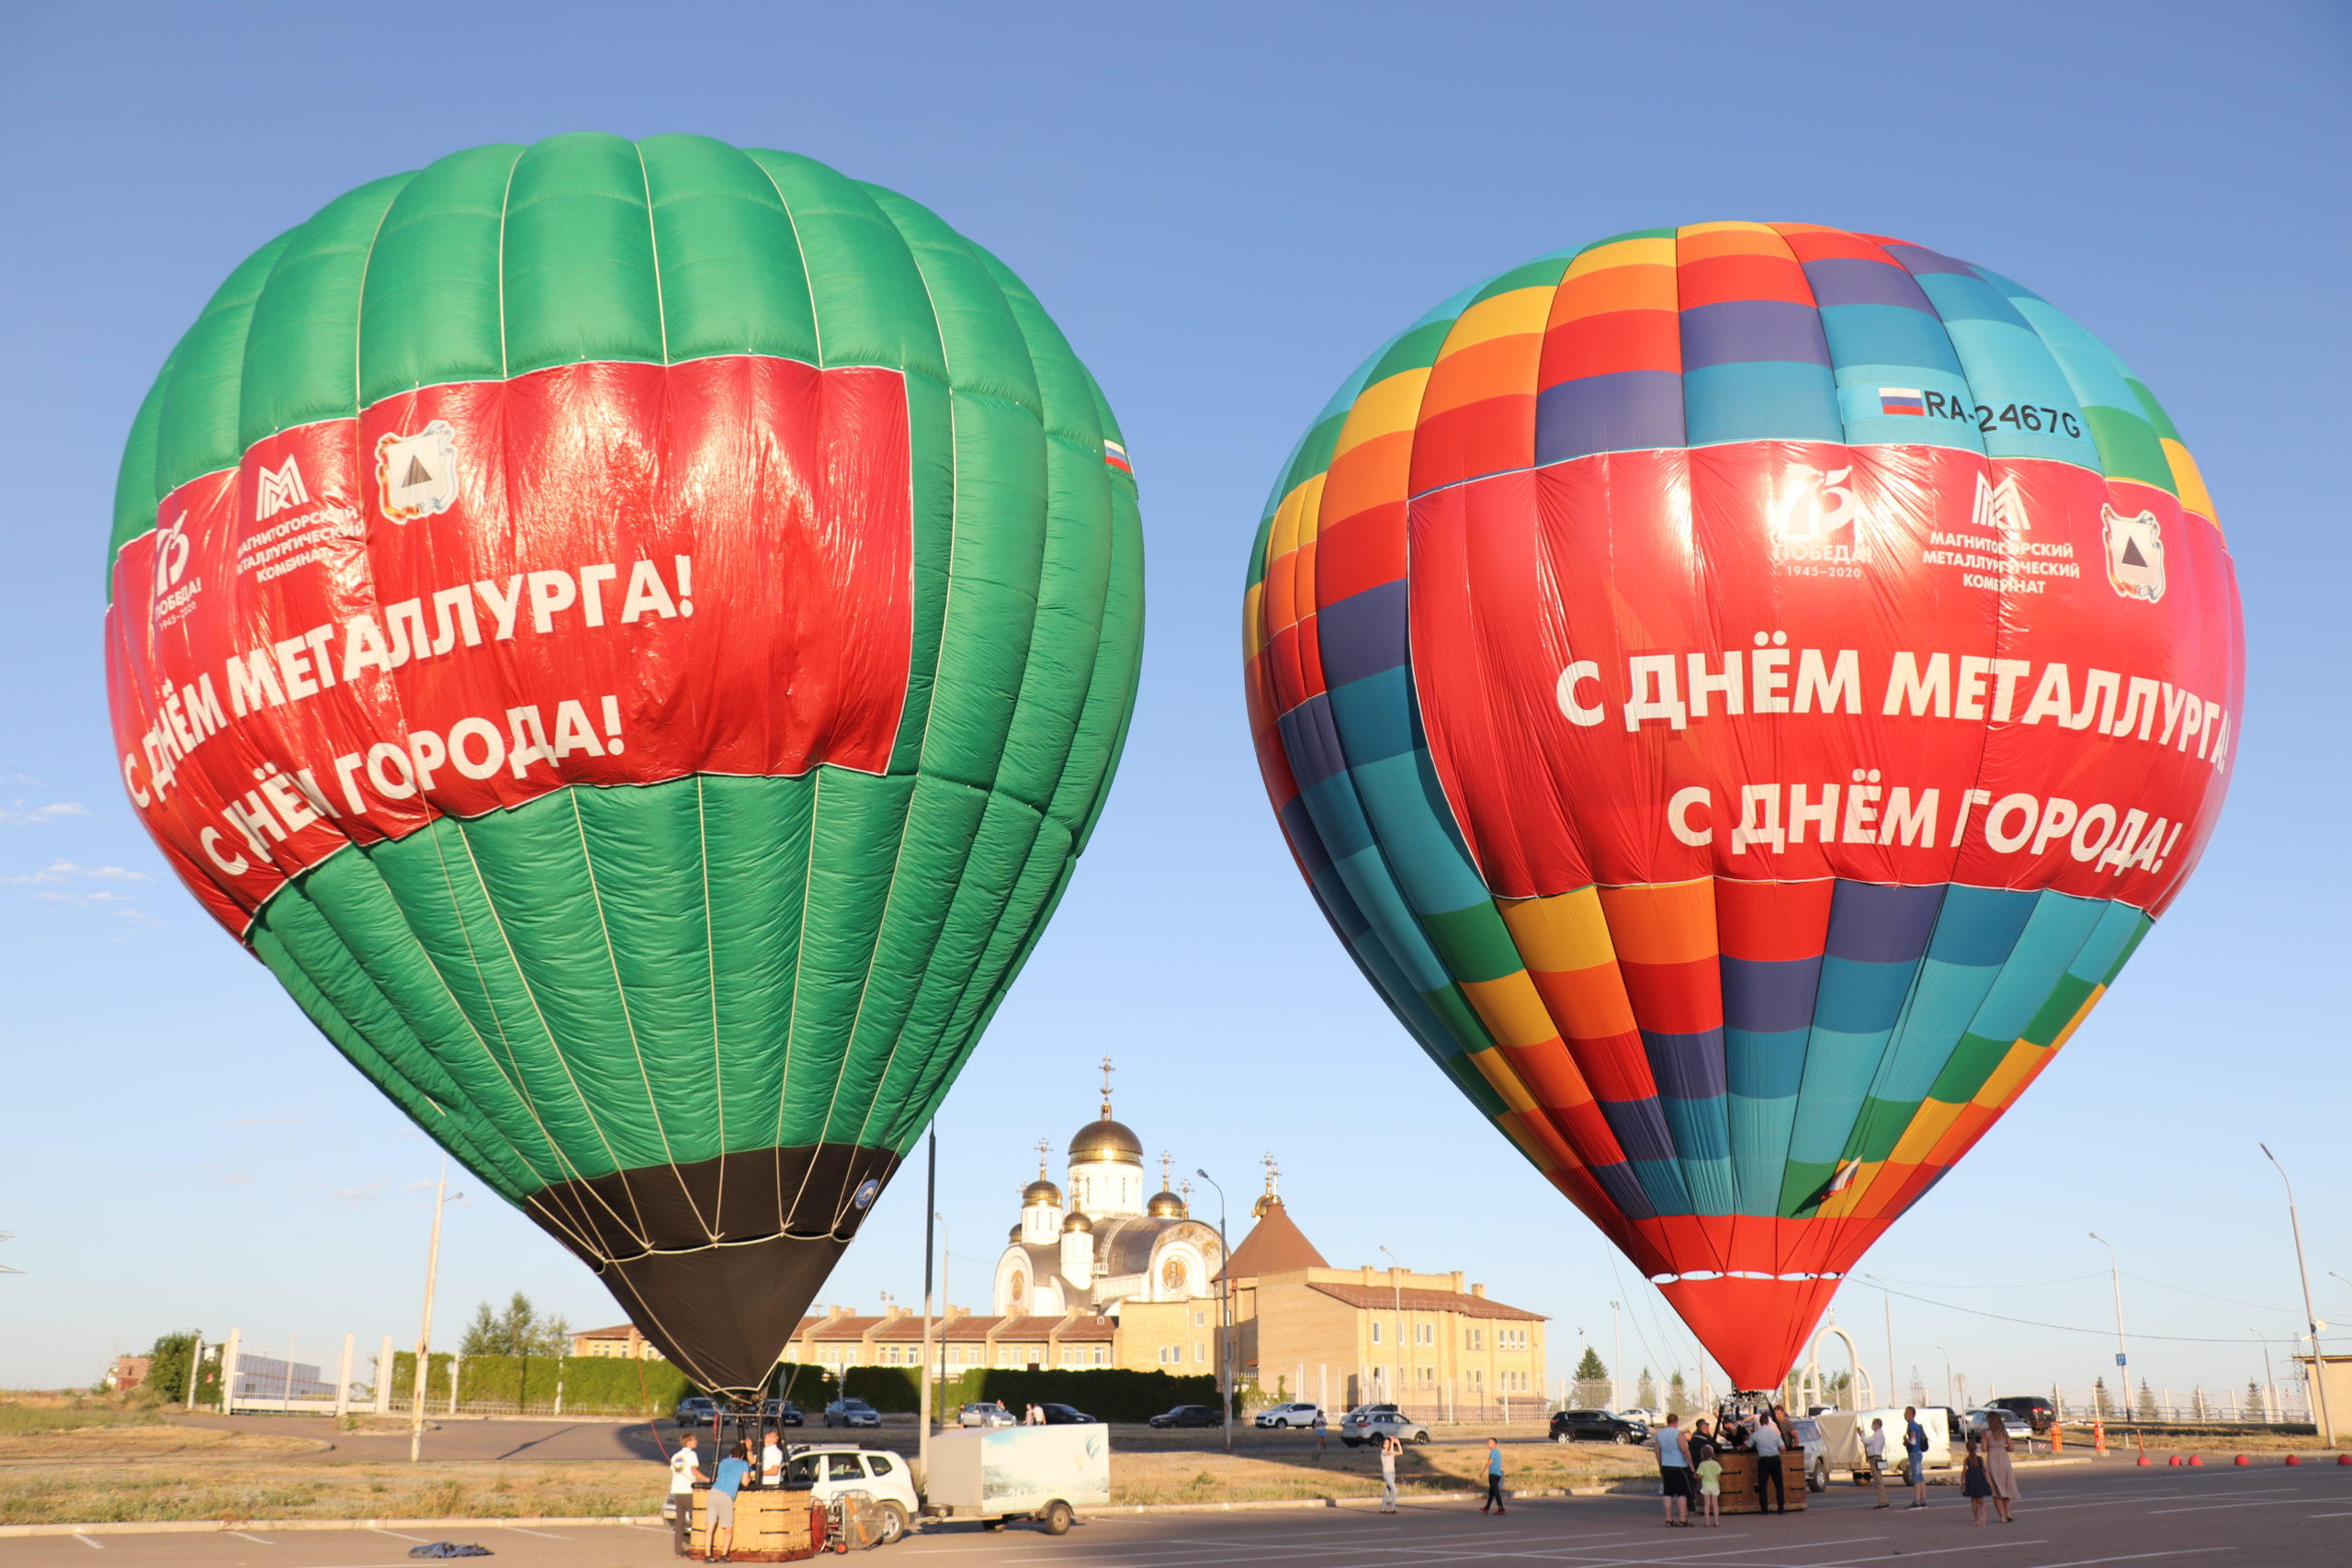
[[277, 488], [416, 476], [2135, 553], [2000, 509]]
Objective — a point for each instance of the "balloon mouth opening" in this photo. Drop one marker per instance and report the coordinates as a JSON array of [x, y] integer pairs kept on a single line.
[[1701, 1276]]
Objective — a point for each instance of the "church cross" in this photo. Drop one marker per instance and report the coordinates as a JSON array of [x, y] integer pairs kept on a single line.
[[1106, 1088], [1043, 1149], [1166, 1161]]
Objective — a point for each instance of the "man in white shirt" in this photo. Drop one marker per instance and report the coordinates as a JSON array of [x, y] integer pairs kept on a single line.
[[685, 1468], [1767, 1442], [771, 1461], [1874, 1452]]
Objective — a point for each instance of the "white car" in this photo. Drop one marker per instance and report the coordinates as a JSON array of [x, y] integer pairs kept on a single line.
[[986, 1413], [828, 1469], [1371, 1424], [1294, 1414]]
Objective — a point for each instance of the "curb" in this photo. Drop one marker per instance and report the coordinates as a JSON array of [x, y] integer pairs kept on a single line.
[[1403, 1497], [214, 1527]]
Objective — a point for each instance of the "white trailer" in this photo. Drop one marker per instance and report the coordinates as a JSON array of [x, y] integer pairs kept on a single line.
[[997, 1473]]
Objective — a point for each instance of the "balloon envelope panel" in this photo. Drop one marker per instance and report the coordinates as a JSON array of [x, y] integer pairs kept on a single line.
[[1741, 692], [635, 636]]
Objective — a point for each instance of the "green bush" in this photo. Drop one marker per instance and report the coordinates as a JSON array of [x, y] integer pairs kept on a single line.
[[590, 1383]]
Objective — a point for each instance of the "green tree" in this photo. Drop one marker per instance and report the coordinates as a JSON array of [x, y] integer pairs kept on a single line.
[[1646, 1390], [1678, 1397], [517, 1331], [2100, 1401], [1592, 1379], [2146, 1410], [2254, 1408], [167, 1369]]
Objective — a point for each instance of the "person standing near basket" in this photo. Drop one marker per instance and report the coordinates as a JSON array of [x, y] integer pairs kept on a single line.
[[722, 1499], [1767, 1442], [1674, 1480], [685, 1468]]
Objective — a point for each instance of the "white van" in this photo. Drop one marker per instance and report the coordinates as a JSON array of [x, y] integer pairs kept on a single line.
[[1842, 1434]]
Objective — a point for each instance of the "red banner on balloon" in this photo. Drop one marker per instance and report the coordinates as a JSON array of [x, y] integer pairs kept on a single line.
[[1649, 667], [474, 594]]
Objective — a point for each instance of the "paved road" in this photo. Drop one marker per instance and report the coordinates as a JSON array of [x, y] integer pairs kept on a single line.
[[2268, 1517]]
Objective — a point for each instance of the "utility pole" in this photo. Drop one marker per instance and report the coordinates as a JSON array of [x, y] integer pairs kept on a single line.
[[930, 1220], [1887, 1299], [1223, 1313], [947, 1300], [2310, 1314], [1616, 1360], [2269, 1388], [2122, 1351], [424, 1330], [1396, 1283]]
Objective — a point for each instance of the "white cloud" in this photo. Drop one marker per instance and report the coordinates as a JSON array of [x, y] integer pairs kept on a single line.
[[67, 870], [18, 811]]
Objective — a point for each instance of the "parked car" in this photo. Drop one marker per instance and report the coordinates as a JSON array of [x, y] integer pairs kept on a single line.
[[1811, 1438], [828, 1469], [1596, 1427], [781, 1413], [1642, 1413], [851, 1413], [1370, 1424], [2039, 1412], [1294, 1414], [1191, 1415], [986, 1413], [696, 1409], [2019, 1427], [1067, 1415]]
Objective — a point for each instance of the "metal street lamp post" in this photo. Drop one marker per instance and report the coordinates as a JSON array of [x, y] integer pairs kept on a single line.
[[2310, 1314], [1947, 1355], [1396, 1285], [2122, 1351], [1224, 1312], [930, 1220], [424, 1330], [1616, 1360], [2270, 1387]]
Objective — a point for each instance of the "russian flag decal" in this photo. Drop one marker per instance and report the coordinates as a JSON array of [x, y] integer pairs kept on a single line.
[[1902, 400]]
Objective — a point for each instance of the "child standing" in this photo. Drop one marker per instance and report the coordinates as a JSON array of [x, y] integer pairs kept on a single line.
[[1975, 1481], [1710, 1486]]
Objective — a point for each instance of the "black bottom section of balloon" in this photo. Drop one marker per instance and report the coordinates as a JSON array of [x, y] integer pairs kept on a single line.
[[716, 1262]]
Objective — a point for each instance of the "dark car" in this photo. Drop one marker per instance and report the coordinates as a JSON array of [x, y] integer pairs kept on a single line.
[[2039, 1412], [1065, 1415], [1187, 1415], [781, 1413], [851, 1413], [1596, 1426], [697, 1409]]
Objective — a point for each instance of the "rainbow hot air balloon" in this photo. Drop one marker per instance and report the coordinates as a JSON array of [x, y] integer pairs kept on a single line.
[[1741, 692], [635, 636]]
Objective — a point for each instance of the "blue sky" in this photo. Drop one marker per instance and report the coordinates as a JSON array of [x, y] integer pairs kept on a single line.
[[1226, 208]]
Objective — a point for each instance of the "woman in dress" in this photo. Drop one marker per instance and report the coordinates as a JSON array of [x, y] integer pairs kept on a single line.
[[1974, 1484], [1998, 1470]]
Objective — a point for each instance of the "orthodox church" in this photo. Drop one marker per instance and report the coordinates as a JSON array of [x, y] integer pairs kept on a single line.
[[1105, 1245]]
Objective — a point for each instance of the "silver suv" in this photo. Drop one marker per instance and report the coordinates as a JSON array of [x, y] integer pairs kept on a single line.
[[1369, 1423]]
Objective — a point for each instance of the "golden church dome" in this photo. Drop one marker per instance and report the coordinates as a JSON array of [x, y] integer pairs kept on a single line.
[[1165, 1206], [1077, 1221], [1106, 1142], [1041, 1191], [1013, 1234]]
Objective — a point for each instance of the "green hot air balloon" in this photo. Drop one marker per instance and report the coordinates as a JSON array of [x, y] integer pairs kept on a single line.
[[635, 636]]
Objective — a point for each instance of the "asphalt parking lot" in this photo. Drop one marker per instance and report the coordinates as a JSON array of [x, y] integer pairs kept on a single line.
[[2268, 1515]]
